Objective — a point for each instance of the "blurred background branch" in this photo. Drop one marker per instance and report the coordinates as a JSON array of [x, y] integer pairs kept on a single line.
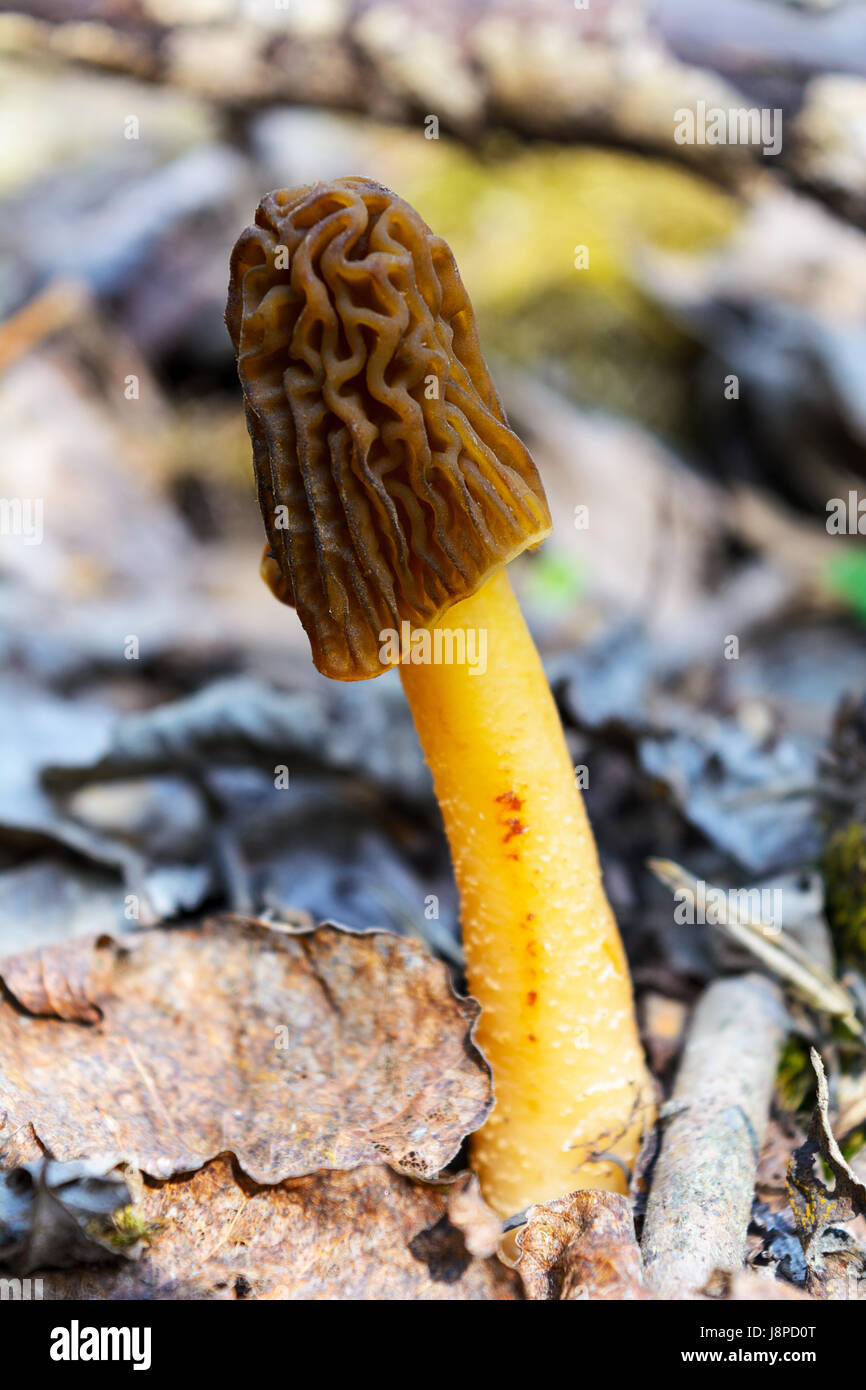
[[609, 72]]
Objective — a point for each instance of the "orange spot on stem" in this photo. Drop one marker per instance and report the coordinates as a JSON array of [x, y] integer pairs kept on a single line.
[[515, 827]]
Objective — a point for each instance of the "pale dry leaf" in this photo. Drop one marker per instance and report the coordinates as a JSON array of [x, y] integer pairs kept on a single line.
[[296, 1052], [467, 1210]]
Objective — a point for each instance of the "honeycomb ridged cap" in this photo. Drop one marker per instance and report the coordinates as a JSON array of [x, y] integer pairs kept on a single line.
[[389, 481]]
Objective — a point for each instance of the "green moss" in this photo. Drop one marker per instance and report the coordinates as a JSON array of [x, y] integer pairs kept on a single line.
[[515, 222], [853, 1143], [554, 581], [846, 579], [128, 1227], [844, 867], [795, 1079]]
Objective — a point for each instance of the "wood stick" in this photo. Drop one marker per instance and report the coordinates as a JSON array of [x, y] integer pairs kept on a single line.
[[701, 1195]]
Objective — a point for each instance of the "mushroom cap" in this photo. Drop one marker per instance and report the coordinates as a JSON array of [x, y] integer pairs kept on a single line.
[[390, 484]]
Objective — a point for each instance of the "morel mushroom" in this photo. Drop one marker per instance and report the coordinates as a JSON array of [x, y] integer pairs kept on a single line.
[[393, 494]]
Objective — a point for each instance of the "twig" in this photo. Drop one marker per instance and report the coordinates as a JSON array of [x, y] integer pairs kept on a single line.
[[56, 307], [783, 955], [701, 1196]]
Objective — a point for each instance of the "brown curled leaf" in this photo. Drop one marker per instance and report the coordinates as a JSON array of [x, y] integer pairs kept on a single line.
[[319, 1050], [375, 425], [216, 1235], [60, 981], [581, 1246]]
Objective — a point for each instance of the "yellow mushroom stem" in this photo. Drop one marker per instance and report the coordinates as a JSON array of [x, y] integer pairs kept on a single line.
[[543, 954]]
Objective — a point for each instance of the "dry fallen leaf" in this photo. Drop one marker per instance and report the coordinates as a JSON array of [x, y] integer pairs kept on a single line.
[[367, 1234], [296, 1052], [581, 1246]]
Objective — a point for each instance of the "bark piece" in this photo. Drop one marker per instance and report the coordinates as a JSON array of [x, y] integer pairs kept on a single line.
[[753, 1286], [818, 1208]]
